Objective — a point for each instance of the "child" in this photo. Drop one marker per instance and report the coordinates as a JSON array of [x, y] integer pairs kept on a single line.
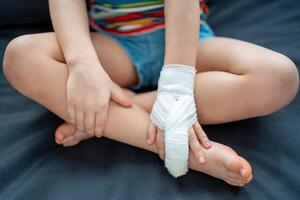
[[77, 75]]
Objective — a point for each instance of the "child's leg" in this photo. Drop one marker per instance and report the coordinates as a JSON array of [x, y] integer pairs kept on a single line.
[[129, 125], [41, 75], [241, 80], [30, 62], [237, 80]]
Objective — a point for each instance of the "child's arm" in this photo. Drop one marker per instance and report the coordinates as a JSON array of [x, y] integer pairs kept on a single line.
[[89, 88], [178, 117], [182, 19], [70, 22]]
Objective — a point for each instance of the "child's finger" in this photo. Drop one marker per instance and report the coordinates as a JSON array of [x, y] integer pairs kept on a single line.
[[195, 146], [100, 122], [151, 133], [71, 111], [119, 96], [79, 119], [160, 144], [89, 122], [201, 135]]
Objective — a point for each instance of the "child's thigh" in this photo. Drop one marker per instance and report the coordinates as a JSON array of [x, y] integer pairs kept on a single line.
[[36, 48], [238, 57]]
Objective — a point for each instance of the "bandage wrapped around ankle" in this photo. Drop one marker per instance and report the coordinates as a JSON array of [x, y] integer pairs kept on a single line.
[[174, 111]]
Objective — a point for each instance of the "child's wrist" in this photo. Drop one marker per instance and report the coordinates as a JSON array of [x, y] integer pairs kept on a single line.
[[77, 54], [80, 64], [177, 79], [77, 59]]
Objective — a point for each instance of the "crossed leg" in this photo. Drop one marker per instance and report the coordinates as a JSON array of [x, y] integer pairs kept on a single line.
[[242, 82]]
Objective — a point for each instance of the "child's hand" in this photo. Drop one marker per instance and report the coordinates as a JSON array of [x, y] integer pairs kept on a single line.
[[174, 111], [197, 137], [89, 90]]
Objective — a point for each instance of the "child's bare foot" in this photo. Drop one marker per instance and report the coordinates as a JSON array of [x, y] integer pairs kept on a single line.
[[67, 135], [223, 163]]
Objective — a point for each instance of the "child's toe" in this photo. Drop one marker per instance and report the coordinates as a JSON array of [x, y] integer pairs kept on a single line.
[[63, 131], [70, 141], [235, 182], [239, 168], [59, 136], [245, 170]]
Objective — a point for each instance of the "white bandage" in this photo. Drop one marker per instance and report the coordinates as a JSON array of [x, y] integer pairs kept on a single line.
[[174, 111]]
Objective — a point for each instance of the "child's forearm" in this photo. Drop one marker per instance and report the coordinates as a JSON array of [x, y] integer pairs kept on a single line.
[[182, 30], [70, 22]]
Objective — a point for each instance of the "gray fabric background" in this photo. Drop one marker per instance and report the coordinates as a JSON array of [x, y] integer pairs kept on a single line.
[[32, 166]]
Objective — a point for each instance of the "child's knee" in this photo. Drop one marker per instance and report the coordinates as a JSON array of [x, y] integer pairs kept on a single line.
[[281, 77], [286, 74], [290, 78], [13, 52], [16, 54]]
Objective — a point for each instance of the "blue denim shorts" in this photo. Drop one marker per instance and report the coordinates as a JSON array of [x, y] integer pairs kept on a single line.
[[146, 52]]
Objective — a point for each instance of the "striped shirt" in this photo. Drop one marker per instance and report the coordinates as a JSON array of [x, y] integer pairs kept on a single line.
[[130, 17]]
